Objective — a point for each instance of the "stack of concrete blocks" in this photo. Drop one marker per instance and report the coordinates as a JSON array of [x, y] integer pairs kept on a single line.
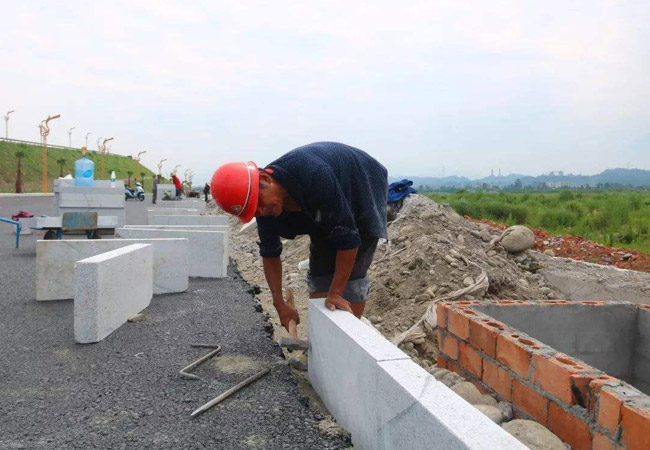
[[101, 198], [111, 287], [55, 260], [384, 399], [26, 224], [208, 249], [189, 220]]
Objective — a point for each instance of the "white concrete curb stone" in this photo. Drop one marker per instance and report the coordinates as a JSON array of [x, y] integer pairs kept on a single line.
[[384, 399], [189, 220], [110, 287], [55, 272], [208, 250]]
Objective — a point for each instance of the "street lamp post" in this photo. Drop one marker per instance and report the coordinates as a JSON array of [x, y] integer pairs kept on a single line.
[[70, 136], [102, 152], [87, 134], [7, 130], [7, 124], [139, 169], [160, 166], [45, 131], [176, 168]]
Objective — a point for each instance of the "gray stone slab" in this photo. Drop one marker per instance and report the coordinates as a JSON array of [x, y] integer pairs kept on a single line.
[[110, 287], [55, 264], [190, 220], [376, 392], [208, 250]]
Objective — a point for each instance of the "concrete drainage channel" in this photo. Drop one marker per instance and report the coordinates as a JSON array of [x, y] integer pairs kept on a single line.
[[579, 368], [384, 399]]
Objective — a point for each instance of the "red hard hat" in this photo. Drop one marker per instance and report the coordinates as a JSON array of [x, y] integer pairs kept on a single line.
[[235, 188]]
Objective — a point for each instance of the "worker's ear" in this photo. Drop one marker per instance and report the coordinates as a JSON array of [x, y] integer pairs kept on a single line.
[[265, 179]]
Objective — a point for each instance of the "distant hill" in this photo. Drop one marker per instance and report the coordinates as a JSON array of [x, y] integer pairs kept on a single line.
[[32, 166], [624, 177]]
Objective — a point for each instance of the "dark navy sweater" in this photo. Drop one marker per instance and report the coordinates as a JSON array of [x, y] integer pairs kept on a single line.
[[341, 191]]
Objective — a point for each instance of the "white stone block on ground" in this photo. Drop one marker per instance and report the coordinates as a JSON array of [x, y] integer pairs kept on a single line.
[[187, 204], [173, 212], [208, 250], [224, 228], [189, 220], [384, 399], [110, 287], [55, 273], [26, 224]]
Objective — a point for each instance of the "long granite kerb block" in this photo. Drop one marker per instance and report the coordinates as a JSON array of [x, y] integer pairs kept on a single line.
[[110, 287], [55, 272]]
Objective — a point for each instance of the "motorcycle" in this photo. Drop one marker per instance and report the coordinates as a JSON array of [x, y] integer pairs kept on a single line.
[[138, 192]]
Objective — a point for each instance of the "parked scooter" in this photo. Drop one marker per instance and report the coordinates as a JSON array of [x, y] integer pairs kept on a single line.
[[138, 192]]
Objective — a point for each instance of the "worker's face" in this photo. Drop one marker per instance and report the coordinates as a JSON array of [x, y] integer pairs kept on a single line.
[[269, 201]]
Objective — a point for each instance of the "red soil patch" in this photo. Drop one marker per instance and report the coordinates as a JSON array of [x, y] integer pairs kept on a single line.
[[581, 249]]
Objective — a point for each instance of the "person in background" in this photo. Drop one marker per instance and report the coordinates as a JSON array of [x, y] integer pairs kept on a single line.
[[156, 181], [178, 185], [206, 191]]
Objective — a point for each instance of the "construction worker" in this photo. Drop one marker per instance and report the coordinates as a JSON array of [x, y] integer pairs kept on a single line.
[[334, 193]]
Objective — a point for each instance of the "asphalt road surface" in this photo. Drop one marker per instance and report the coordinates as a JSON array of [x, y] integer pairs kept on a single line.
[[125, 392]]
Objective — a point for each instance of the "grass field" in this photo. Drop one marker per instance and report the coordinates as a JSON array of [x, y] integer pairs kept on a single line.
[[615, 218], [32, 166]]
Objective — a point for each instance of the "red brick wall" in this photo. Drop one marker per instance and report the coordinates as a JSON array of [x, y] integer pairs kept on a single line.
[[583, 406]]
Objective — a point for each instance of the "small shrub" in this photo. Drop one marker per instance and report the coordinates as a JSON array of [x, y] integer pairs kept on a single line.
[[566, 195], [553, 219]]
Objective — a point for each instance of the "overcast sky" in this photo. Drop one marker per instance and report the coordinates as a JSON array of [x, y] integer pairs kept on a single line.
[[525, 86]]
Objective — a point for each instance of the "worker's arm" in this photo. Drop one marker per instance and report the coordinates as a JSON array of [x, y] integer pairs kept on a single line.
[[273, 274], [344, 264]]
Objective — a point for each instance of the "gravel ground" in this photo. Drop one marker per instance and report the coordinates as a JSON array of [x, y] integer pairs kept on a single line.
[[125, 392]]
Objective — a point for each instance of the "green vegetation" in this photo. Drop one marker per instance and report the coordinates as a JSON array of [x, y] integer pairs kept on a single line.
[[59, 161], [616, 218]]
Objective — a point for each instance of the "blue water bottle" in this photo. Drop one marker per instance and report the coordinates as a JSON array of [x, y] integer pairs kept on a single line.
[[84, 171]]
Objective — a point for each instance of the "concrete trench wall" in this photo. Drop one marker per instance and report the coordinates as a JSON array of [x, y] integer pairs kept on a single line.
[[586, 407], [641, 359], [602, 336], [383, 398]]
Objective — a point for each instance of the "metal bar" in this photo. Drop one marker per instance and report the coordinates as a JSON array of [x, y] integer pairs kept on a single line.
[[184, 371], [229, 392]]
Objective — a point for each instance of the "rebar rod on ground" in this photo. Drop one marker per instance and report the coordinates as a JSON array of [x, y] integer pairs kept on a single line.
[[184, 371], [229, 392]]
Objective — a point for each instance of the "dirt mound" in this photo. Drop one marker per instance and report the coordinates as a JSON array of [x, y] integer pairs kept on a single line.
[[581, 249], [432, 251]]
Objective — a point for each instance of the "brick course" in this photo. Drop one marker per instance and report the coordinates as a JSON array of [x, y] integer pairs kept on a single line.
[[583, 406]]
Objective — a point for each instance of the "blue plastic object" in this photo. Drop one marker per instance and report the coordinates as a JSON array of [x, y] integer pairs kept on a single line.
[[18, 228], [84, 172]]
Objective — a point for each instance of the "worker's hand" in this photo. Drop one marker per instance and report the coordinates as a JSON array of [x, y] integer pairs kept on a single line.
[[286, 314], [335, 301]]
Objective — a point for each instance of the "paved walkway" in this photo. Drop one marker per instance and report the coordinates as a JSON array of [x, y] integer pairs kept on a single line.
[[125, 392]]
